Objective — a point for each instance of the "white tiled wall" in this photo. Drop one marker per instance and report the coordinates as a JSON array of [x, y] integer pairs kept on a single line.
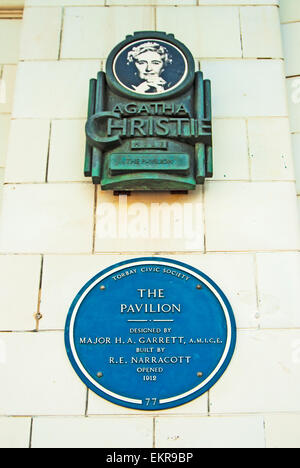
[[290, 26], [9, 56], [241, 228], [242, 432], [93, 433], [41, 34]]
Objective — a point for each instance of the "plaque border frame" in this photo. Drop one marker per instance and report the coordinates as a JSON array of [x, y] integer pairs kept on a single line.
[[120, 89], [168, 403]]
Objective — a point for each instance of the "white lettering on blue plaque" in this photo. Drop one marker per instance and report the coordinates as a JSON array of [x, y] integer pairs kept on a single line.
[[150, 334]]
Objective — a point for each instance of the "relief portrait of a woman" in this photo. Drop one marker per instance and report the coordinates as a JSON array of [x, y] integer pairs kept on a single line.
[[150, 60]]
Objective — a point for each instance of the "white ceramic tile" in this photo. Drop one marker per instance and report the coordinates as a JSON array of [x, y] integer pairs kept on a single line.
[[1, 186], [20, 279], [9, 40], [270, 149], [4, 135], [53, 89], [243, 216], [41, 33], [246, 88], [7, 87], [212, 31], [260, 29], [36, 376], [263, 375], [230, 149], [282, 431], [56, 218], [1, 176], [293, 90], [278, 289], [92, 433], [14, 433], [238, 432], [82, 26], [296, 154], [27, 151], [291, 43], [289, 10], [67, 151]]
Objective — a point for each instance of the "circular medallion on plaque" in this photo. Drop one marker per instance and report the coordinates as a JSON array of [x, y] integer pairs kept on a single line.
[[150, 334], [155, 66]]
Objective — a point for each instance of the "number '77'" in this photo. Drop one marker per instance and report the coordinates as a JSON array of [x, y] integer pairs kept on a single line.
[[150, 401]]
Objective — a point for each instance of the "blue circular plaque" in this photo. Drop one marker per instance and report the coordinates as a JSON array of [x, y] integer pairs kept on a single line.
[[150, 334]]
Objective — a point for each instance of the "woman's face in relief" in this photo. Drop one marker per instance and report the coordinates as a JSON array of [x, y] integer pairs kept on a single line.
[[149, 65]]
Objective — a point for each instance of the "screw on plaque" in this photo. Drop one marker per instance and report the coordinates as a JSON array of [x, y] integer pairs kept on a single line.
[[199, 286], [100, 375], [38, 316], [200, 374], [102, 287]]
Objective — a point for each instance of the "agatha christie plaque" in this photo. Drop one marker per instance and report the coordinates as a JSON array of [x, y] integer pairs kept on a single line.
[[149, 118], [150, 334]]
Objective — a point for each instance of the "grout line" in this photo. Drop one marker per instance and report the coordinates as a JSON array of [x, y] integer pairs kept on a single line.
[[258, 316], [151, 253], [38, 315], [288, 77], [61, 32], [289, 21], [212, 181], [48, 153], [124, 5], [204, 222], [154, 433], [248, 151], [265, 430], [208, 59], [95, 219], [86, 403], [30, 433], [166, 415], [241, 33]]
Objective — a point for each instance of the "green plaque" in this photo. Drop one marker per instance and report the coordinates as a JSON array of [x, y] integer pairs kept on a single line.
[[149, 118], [177, 163]]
